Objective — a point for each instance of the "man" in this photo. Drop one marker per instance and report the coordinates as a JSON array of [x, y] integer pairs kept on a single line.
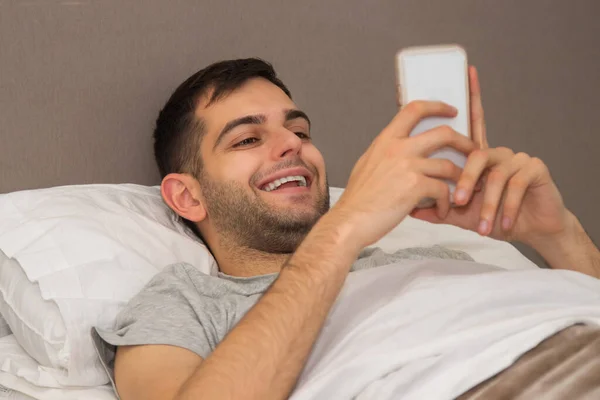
[[239, 166]]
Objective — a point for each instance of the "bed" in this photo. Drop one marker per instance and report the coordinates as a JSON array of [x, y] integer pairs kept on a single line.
[[82, 82], [63, 272]]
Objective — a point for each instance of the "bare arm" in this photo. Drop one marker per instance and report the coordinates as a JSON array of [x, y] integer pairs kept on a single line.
[[263, 355], [571, 249]]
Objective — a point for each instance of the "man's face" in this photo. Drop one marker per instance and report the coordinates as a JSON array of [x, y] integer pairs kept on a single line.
[[255, 140]]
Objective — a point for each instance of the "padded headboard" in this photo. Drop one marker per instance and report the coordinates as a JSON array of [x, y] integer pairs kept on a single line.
[[81, 81]]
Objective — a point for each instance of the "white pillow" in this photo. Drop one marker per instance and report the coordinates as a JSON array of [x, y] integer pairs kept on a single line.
[[73, 257], [4, 328], [15, 363]]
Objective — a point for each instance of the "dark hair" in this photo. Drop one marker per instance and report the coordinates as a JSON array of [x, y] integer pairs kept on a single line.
[[179, 132]]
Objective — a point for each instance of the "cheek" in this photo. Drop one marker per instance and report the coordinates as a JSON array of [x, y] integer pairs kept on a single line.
[[314, 157], [240, 166]]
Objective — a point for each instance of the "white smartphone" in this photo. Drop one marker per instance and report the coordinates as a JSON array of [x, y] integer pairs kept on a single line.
[[436, 73]]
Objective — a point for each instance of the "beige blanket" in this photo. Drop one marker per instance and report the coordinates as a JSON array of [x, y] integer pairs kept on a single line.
[[564, 366]]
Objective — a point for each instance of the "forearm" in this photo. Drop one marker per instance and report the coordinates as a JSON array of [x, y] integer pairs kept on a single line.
[[263, 355], [573, 249]]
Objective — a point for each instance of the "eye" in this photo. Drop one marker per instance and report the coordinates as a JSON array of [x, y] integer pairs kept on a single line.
[[302, 135], [246, 142]]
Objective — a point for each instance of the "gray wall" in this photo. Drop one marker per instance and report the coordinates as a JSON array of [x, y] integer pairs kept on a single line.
[[81, 81]]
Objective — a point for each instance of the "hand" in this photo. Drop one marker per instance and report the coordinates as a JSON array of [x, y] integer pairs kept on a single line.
[[519, 200], [394, 174]]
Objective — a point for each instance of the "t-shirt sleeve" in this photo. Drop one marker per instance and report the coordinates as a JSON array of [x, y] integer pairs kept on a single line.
[[165, 312]]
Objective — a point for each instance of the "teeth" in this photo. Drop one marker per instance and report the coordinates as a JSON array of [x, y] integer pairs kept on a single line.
[[278, 182]]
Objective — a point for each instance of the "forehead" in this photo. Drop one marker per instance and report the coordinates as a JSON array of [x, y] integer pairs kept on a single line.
[[256, 96]]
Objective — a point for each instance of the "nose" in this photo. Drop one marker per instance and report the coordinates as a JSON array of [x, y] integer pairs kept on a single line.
[[287, 144]]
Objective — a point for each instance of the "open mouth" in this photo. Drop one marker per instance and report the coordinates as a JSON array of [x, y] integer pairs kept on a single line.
[[286, 182]]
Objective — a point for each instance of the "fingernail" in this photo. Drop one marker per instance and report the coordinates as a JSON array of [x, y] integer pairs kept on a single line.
[[460, 195], [506, 222], [483, 226]]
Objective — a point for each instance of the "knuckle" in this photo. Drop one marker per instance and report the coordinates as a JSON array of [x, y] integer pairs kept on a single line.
[[479, 154], [496, 175], [447, 129], [449, 168], [505, 150], [517, 182], [538, 164], [448, 134], [522, 156], [415, 106]]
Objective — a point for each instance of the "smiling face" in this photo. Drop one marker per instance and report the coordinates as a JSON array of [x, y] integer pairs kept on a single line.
[[262, 180]]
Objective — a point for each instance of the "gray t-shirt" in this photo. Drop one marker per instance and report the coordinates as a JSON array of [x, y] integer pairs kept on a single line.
[[184, 307]]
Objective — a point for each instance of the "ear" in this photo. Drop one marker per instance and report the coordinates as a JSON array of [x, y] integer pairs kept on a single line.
[[182, 194]]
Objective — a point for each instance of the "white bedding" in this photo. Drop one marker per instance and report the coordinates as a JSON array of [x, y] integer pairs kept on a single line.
[[12, 360], [4, 328], [421, 330], [433, 329], [20, 372]]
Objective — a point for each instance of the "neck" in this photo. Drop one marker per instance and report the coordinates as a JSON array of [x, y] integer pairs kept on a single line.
[[241, 261]]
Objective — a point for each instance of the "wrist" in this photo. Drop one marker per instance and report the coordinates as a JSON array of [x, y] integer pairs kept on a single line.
[[571, 248], [562, 238], [330, 246], [343, 227]]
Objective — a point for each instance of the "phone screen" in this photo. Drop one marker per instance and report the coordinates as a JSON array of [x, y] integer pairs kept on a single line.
[[440, 76], [437, 73]]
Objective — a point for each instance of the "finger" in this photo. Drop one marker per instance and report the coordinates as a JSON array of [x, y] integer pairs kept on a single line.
[[411, 114], [495, 189], [438, 138], [477, 116], [477, 163], [516, 189], [462, 217], [439, 168], [427, 214], [439, 191]]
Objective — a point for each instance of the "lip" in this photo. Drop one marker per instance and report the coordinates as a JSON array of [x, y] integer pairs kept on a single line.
[[286, 172]]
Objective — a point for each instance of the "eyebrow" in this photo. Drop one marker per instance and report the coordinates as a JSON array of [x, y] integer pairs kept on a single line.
[[257, 120]]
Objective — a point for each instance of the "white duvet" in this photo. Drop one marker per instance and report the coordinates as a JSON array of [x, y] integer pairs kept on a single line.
[[417, 330], [433, 329]]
